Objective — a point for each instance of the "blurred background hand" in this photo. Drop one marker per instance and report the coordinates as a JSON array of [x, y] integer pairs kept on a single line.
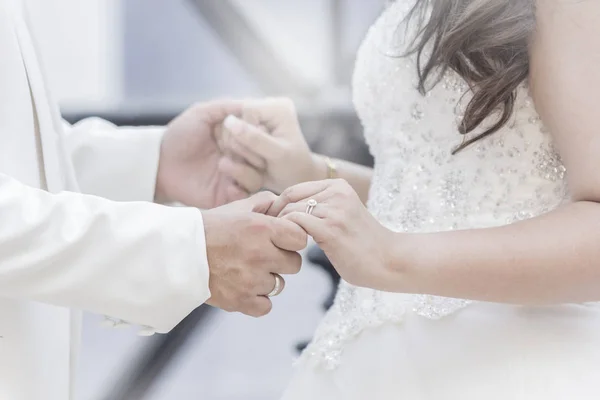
[[268, 138]]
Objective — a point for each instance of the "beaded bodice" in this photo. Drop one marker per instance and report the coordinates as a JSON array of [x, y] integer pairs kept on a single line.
[[419, 186]]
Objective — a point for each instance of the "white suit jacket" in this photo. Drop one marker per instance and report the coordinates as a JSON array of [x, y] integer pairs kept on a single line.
[[62, 251]]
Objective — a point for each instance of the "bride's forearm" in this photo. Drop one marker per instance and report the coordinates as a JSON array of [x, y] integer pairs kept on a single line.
[[553, 258], [358, 176]]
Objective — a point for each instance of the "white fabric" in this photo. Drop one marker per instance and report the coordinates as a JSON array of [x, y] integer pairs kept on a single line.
[[384, 346], [486, 351], [134, 261]]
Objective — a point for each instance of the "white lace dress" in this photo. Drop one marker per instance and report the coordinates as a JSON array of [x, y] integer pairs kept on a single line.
[[373, 345]]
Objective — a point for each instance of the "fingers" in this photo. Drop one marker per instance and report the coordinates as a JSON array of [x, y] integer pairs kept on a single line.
[[319, 211], [288, 236], [228, 142], [253, 118], [298, 193], [218, 110], [268, 285], [258, 203], [258, 306], [311, 224], [287, 263], [252, 137], [251, 115], [244, 175], [274, 113], [242, 152], [262, 201]]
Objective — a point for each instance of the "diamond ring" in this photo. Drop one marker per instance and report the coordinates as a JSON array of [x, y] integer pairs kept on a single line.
[[310, 206]]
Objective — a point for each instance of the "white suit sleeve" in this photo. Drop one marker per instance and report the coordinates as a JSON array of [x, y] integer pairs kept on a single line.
[[139, 262], [116, 163]]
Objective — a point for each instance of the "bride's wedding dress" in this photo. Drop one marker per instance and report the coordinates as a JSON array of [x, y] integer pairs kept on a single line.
[[374, 345]]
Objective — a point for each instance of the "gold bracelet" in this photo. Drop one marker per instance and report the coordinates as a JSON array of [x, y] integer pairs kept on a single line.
[[331, 168]]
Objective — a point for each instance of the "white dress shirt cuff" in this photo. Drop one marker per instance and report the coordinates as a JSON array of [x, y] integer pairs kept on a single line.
[[115, 163]]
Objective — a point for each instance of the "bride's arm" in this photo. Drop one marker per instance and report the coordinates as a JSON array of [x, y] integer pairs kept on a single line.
[[553, 258], [269, 138], [550, 259]]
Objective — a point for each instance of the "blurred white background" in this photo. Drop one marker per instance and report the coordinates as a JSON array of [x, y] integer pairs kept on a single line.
[[81, 44], [99, 53]]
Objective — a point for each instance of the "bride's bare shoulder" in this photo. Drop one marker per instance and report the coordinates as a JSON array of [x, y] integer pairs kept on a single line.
[[565, 83], [565, 47]]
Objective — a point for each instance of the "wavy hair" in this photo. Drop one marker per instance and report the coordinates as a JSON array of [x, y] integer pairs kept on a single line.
[[486, 42]]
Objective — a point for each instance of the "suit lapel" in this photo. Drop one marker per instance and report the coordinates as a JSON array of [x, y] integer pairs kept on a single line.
[[47, 129]]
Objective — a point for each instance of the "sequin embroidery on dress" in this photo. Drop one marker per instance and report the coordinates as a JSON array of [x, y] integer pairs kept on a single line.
[[419, 186]]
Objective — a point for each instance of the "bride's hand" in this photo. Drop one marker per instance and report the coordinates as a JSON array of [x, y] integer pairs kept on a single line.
[[268, 137], [356, 244]]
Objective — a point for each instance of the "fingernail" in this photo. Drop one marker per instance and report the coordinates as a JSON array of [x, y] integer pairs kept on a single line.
[[232, 123]]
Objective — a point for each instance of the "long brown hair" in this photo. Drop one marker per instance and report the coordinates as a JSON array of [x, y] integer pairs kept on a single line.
[[486, 42]]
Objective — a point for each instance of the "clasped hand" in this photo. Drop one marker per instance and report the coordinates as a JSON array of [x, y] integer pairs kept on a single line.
[[219, 152], [268, 138], [252, 240], [332, 213]]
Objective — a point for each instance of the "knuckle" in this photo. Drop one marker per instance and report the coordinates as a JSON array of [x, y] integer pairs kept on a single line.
[[254, 254], [299, 240], [337, 223], [301, 237], [257, 224], [287, 195], [288, 209], [337, 194]]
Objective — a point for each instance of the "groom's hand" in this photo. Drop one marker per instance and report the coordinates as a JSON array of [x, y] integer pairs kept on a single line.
[[193, 169], [245, 248]]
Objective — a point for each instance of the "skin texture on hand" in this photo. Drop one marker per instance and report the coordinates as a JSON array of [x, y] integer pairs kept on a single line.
[[245, 248], [357, 245], [193, 169]]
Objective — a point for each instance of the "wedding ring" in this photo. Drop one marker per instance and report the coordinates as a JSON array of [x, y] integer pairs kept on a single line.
[[310, 206], [278, 286]]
